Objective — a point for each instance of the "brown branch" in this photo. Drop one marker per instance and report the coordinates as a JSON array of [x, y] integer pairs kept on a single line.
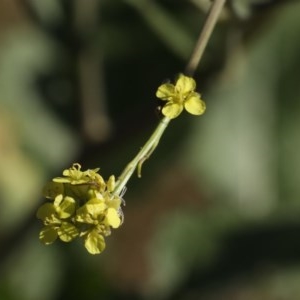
[[204, 36]]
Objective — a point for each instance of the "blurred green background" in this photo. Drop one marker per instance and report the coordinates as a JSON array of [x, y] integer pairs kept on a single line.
[[216, 215]]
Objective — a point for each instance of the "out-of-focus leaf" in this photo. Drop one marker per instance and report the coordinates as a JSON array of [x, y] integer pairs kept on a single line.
[[241, 152], [32, 140], [243, 8], [243, 149], [184, 241], [169, 30], [32, 272], [49, 11], [23, 55]]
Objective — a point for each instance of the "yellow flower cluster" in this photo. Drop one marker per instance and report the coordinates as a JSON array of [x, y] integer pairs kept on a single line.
[[81, 204], [179, 96]]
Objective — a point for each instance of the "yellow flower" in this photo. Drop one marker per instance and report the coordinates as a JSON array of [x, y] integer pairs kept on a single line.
[[54, 216], [100, 214], [75, 176], [179, 96]]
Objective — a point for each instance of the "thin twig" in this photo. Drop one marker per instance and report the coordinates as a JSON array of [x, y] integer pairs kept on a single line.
[[204, 36]]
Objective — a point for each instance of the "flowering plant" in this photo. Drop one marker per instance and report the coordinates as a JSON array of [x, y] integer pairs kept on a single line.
[[82, 204]]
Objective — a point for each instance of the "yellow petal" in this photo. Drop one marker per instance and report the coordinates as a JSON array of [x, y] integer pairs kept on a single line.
[[165, 91], [67, 232], [113, 218], [58, 199], [66, 208], [172, 110], [48, 235], [185, 84], [94, 243], [95, 207], [115, 202], [61, 180], [47, 210], [194, 105]]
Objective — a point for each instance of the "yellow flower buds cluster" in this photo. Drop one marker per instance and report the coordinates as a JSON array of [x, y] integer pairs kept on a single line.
[[81, 204]]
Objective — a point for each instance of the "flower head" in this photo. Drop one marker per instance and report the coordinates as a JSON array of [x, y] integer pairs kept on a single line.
[[179, 96], [82, 205]]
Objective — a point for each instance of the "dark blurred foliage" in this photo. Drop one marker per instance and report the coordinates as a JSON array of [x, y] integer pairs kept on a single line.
[[216, 213]]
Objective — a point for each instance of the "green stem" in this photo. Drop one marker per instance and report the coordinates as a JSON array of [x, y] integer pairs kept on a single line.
[[143, 155]]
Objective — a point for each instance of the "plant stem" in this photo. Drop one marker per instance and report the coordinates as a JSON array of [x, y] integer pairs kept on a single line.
[[204, 36], [144, 154]]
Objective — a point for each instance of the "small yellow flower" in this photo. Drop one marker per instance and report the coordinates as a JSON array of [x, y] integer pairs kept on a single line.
[[75, 176], [179, 96], [100, 214], [55, 218]]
